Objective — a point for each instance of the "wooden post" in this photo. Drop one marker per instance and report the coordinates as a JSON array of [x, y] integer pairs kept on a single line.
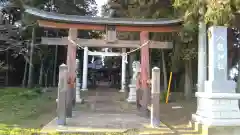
[[62, 95], [155, 109], [144, 37]]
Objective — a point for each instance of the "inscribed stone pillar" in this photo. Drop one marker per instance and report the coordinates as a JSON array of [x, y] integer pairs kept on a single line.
[[155, 91], [218, 104], [144, 37], [62, 94]]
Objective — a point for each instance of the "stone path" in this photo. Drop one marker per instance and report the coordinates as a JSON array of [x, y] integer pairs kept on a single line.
[[105, 110]]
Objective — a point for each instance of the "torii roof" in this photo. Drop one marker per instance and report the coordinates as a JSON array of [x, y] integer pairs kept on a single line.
[[76, 19]]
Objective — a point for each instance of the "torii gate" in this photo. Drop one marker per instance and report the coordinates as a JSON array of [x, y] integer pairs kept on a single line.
[[111, 26], [101, 43]]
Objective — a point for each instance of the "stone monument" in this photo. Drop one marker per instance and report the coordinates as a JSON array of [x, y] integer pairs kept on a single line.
[[218, 112], [62, 95], [132, 86]]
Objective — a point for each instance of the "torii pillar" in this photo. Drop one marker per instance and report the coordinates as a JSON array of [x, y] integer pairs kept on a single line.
[[144, 37], [71, 63]]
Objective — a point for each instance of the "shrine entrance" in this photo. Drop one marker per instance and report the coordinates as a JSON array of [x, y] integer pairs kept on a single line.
[[104, 69], [111, 26]]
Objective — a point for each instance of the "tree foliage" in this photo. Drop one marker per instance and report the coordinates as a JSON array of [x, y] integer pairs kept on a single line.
[[26, 22], [212, 12]]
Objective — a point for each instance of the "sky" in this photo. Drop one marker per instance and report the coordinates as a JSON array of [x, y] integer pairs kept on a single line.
[[100, 3]]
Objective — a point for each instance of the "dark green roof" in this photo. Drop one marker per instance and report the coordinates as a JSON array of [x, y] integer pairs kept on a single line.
[[99, 20]]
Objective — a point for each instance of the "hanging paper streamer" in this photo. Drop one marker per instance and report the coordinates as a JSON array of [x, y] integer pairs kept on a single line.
[[103, 57], [125, 57], [93, 58]]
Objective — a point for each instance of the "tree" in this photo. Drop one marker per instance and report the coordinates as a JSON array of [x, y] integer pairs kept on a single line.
[[76, 7], [236, 61], [212, 12]]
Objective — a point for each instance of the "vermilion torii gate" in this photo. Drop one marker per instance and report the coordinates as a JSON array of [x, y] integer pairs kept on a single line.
[[111, 26]]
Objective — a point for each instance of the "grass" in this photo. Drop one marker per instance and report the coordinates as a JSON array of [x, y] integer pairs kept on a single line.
[[27, 108]]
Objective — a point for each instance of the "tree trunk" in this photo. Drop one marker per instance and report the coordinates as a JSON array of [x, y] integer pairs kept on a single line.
[[46, 79], [7, 64], [238, 83], [31, 60], [41, 74], [55, 66], [164, 70], [188, 80], [191, 76], [238, 78], [25, 74]]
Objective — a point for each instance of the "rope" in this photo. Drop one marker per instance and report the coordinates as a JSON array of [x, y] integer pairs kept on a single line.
[[125, 53]]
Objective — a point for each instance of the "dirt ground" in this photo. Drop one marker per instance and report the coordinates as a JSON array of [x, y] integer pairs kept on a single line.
[[177, 113]]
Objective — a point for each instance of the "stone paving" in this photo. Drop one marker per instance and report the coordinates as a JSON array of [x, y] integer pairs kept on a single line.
[[105, 110]]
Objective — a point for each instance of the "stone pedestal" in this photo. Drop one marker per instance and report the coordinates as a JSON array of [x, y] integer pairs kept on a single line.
[[78, 96], [122, 90], [132, 96], [217, 109], [215, 130], [218, 113]]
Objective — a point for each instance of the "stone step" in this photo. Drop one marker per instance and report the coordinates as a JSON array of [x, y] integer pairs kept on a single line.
[[119, 132], [190, 129], [146, 130]]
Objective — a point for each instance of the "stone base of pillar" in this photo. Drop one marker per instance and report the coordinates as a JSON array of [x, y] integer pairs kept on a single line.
[[78, 96], [217, 109], [78, 100], [132, 96], [84, 89], [214, 130], [215, 122], [122, 90]]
